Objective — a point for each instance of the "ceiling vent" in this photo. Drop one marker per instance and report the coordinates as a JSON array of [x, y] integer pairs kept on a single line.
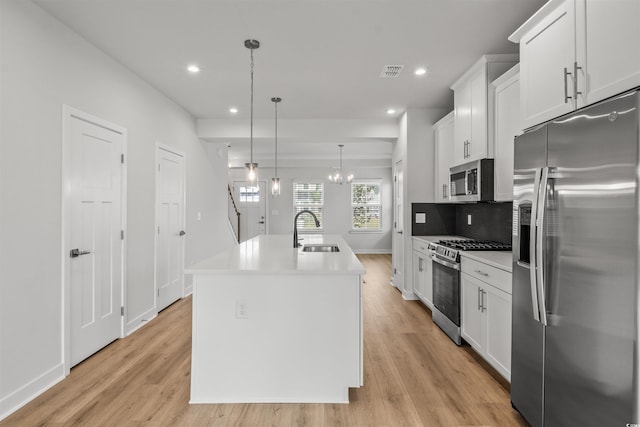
[[391, 71]]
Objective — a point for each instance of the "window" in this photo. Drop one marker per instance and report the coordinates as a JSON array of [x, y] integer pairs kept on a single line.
[[310, 196], [366, 205], [249, 194]]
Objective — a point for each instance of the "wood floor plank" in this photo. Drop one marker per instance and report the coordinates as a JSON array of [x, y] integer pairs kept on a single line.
[[413, 375]]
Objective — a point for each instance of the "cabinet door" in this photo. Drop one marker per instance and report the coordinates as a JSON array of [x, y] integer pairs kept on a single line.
[[477, 146], [462, 133], [607, 48], [443, 157], [545, 51], [427, 290], [508, 124], [472, 321], [498, 332], [418, 276]]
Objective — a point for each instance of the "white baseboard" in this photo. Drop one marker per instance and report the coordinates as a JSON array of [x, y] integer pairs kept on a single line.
[[409, 296], [372, 251], [25, 394], [140, 321]]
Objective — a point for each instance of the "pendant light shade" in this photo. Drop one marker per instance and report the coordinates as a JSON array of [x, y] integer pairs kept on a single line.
[[252, 168], [275, 182], [338, 176]]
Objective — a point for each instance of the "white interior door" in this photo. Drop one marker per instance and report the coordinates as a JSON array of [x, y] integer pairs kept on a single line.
[[94, 244], [251, 202], [170, 226], [398, 223]]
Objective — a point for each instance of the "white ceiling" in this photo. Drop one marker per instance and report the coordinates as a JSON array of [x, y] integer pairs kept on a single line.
[[322, 57]]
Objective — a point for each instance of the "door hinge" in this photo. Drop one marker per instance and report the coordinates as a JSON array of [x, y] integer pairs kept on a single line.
[[122, 158], [158, 293], [158, 229], [121, 234], [122, 311], [395, 271], [158, 167]]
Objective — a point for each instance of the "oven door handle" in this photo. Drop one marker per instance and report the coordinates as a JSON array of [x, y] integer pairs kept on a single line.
[[455, 266]]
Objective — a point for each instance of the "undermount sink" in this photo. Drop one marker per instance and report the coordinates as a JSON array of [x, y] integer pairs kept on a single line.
[[320, 248]]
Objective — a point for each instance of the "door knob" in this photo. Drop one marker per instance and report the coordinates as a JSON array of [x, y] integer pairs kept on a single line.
[[260, 222], [74, 253], [181, 233]]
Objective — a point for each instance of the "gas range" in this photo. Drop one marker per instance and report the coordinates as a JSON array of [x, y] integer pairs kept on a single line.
[[447, 277], [450, 249], [476, 245]]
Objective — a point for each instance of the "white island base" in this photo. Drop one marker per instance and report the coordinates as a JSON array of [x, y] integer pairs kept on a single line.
[[267, 336]]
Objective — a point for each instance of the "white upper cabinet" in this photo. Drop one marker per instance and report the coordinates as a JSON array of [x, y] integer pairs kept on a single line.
[[576, 52], [508, 124], [608, 37], [473, 108], [443, 130]]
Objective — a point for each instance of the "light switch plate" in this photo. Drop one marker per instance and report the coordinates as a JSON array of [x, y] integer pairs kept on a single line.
[[469, 219]]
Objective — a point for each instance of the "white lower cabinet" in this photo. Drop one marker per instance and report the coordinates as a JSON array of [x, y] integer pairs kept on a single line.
[[486, 313], [422, 273]]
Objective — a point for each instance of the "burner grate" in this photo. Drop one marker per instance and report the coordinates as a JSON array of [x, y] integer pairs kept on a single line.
[[476, 245]]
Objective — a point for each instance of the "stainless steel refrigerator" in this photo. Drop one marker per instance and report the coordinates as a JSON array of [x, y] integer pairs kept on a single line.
[[575, 356]]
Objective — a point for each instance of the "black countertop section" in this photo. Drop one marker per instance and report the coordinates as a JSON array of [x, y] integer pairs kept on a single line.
[[489, 221]]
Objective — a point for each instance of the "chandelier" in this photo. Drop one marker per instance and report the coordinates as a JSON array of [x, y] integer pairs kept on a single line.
[[338, 176]]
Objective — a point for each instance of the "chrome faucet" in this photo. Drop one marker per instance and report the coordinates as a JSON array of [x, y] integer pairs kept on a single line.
[[296, 244]]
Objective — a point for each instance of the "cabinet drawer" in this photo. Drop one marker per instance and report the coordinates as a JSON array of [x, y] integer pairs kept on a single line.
[[494, 276], [420, 245]]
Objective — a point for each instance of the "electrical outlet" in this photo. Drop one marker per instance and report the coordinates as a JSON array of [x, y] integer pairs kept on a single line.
[[241, 309], [469, 219]]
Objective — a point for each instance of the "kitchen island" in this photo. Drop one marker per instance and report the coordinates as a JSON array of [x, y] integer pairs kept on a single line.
[[272, 323]]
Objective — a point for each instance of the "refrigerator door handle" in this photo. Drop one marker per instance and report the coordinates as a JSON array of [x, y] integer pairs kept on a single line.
[[542, 203], [533, 246]]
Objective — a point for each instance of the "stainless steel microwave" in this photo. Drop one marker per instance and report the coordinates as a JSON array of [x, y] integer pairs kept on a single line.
[[472, 182]]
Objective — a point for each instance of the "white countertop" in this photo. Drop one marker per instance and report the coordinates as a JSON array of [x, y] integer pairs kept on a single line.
[[275, 254], [499, 259]]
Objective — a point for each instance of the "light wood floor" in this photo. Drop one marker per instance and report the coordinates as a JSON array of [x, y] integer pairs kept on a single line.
[[413, 375]]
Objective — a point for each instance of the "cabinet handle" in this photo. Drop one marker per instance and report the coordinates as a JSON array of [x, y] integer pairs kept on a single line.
[[566, 86], [575, 80], [420, 265], [479, 299], [484, 306], [444, 191], [482, 273]]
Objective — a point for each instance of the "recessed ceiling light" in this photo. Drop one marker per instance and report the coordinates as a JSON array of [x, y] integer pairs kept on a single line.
[[420, 71], [193, 68], [233, 110], [391, 111]]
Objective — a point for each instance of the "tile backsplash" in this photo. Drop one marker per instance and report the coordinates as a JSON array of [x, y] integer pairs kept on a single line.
[[489, 221]]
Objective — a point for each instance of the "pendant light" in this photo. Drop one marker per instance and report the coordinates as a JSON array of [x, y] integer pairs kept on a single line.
[[275, 182], [252, 168], [338, 177]]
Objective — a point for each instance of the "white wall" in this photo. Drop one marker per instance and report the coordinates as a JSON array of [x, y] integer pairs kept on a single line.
[[44, 65], [337, 204], [416, 147]]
